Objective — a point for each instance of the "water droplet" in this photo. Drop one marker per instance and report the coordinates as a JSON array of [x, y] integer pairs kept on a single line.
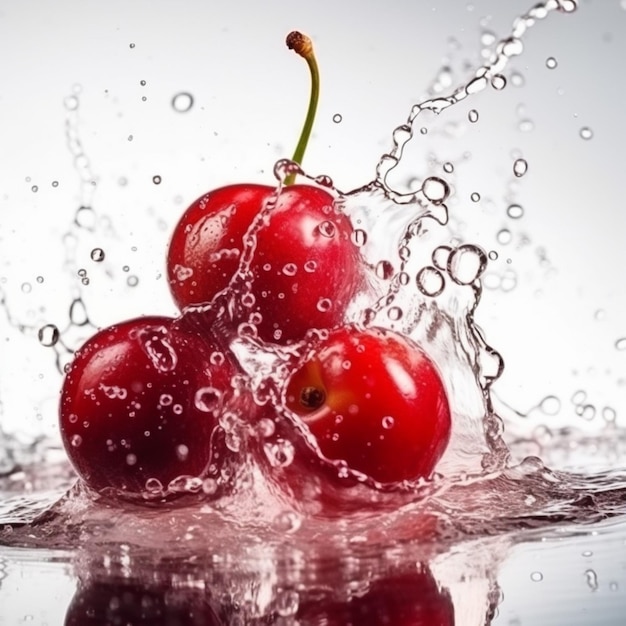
[[131, 459], [76, 441], [448, 167], [287, 522], [156, 179], [310, 266], [182, 452], [85, 217], [290, 269], [466, 264], [475, 197], [280, 453], [182, 102], [132, 281], [498, 82], [609, 414], [337, 118], [586, 133], [326, 229], [48, 335], [517, 79], [551, 63], [568, 6], [472, 116], [384, 270], [430, 281], [359, 237], [550, 405], [592, 579], [287, 603], [435, 189], [388, 422], [78, 313], [97, 255], [536, 577], [520, 167], [526, 125], [504, 236], [394, 313], [131, 46], [207, 399], [620, 344], [70, 103], [515, 211], [324, 304]]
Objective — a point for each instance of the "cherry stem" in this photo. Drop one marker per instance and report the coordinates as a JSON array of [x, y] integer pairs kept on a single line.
[[303, 46]]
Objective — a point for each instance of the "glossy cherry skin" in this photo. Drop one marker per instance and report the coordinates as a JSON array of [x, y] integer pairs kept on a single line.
[[304, 271], [142, 400], [374, 400], [402, 599]]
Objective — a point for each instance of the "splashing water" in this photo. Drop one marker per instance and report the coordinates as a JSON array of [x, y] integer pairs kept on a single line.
[[501, 473]]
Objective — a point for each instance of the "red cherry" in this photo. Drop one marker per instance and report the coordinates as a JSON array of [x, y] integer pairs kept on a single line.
[[372, 399], [402, 599], [305, 269], [142, 400]]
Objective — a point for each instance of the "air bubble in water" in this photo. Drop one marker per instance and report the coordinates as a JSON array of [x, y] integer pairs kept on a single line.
[[70, 103], [388, 422], [290, 269], [85, 217], [326, 229], [132, 281], [97, 255], [279, 454], [520, 167], [472, 116], [384, 270], [586, 133], [466, 264], [504, 236], [48, 335], [435, 189], [430, 281], [156, 179], [448, 167], [475, 197], [550, 405], [76, 441], [337, 118], [359, 237], [440, 256], [324, 305], [526, 125], [207, 399]]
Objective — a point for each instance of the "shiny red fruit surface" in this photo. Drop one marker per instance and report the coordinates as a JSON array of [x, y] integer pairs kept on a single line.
[[374, 400], [304, 271], [142, 400]]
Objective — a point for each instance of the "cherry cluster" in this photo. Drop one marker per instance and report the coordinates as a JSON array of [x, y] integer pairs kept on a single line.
[[261, 366], [155, 406]]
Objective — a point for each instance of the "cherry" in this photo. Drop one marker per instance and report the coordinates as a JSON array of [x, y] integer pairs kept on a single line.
[[304, 270], [373, 400], [141, 406], [291, 248]]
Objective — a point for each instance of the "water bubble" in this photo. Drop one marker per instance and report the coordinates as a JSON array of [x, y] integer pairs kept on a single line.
[[324, 304], [279, 454], [85, 217], [515, 211], [498, 82], [182, 102], [76, 441], [435, 189], [579, 397], [156, 179], [78, 313], [384, 270], [359, 237], [550, 405], [287, 603], [26, 287], [131, 46], [430, 281], [586, 411], [440, 256], [586, 133], [142, 83], [287, 522], [472, 116], [70, 103], [182, 452], [517, 79], [504, 236], [475, 197], [520, 167], [394, 313], [337, 118], [388, 422], [526, 125], [551, 63], [209, 486], [609, 414], [466, 264], [207, 399], [97, 255], [217, 358], [448, 167], [310, 266], [536, 577], [326, 229], [493, 255], [131, 459], [620, 344], [568, 6], [290, 269], [132, 281], [592, 579]]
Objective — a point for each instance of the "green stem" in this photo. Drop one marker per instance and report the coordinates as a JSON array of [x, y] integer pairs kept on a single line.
[[303, 46]]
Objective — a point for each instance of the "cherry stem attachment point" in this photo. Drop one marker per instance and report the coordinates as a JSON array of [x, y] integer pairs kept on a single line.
[[302, 45]]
